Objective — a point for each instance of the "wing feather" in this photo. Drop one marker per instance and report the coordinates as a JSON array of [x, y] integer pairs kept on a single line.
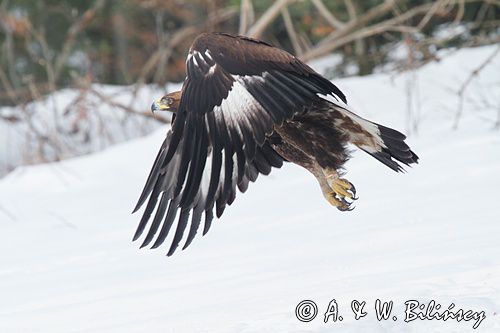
[[195, 224], [209, 216], [167, 224], [160, 214], [181, 226]]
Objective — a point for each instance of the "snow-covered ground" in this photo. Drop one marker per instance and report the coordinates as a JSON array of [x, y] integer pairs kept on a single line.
[[74, 122], [67, 263]]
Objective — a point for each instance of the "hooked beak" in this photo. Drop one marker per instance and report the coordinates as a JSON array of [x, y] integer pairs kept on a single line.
[[158, 105]]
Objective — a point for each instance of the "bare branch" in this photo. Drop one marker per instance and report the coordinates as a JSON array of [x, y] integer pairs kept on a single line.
[[460, 13], [351, 10], [258, 28], [81, 23], [291, 31], [467, 82], [369, 16], [47, 63], [327, 15], [9, 46], [109, 101], [179, 37], [8, 87], [432, 11], [247, 16], [352, 31]]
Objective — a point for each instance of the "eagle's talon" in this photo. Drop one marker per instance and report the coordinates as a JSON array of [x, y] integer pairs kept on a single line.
[[353, 190], [347, 206], [343, 188], [341, 191], [348, 209], [338, 201]]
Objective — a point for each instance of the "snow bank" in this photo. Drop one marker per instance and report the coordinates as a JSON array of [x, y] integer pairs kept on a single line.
[[74, 123], [68, 265]]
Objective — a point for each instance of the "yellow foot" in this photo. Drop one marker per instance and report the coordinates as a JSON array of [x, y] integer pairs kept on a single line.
[[340, 190], [343, 188]]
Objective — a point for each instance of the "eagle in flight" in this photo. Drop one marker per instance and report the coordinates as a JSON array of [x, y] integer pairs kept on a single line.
[[245, 108]]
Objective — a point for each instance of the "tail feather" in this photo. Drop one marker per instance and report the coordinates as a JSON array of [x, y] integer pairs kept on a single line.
[[385, 144], [385, 158], [395, 149]]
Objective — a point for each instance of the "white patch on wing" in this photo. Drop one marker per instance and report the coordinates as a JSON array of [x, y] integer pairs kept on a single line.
[[205, 179], [195, 59], [334, 100], [239, 102], [200, 63], [235, 172], [222, 179], [209, 56], [243, 79], [368, 126], [236, 108], [211, 70]]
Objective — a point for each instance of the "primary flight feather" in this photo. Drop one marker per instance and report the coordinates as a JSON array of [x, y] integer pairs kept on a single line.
[[245, 108]]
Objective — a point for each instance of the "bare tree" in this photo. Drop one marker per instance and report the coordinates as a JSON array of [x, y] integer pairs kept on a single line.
[[470, 78]]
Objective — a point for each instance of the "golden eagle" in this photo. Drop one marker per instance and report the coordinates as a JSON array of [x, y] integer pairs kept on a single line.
[[244, 108]]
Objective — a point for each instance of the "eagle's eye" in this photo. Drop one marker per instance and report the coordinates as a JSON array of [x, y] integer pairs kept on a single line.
[[167, 101]]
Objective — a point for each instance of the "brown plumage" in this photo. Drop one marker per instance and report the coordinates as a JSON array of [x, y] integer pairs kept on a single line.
[[245, 108]]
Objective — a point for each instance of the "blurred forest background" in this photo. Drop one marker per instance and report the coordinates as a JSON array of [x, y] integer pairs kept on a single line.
[[61, 53]]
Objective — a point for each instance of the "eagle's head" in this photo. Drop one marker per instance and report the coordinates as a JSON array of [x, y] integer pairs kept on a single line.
[[169, 102]]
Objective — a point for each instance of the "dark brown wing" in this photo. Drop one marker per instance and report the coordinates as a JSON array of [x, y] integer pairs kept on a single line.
[[237, 89]]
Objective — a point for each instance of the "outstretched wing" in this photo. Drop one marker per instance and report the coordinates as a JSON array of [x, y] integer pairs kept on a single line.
[[237, 89]]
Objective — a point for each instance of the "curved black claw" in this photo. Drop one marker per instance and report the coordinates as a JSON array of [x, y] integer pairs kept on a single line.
[[346, 207], [353, 190]]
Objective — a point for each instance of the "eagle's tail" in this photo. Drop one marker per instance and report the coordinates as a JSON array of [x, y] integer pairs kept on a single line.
[[385, 144], [393, 148]]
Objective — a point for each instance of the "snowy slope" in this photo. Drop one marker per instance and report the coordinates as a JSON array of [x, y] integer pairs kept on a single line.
[[75, 122], [68, 265]]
